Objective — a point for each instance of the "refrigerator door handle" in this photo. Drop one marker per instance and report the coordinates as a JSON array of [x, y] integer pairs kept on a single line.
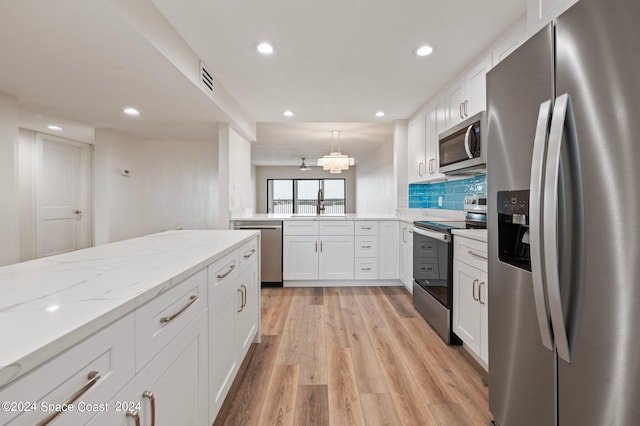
[[561, 112], [535, 224]]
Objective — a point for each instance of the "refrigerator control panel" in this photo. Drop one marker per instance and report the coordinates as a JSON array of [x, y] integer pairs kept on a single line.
[[513, 202]]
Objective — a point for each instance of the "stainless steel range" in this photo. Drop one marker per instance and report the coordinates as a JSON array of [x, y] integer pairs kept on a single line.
[[433, 266]]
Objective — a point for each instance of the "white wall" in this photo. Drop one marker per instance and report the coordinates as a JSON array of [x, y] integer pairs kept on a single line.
[[183, 176], [289, 172], [9, 225], [375, 181], [27, 193], [172, 185], [240, 190], [400, 156]]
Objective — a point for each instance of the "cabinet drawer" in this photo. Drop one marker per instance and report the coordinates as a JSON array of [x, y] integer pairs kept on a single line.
[[366, 227], [366, 246], [366, 269], [336, 227], [109, 353], [222, 273], [471, 252], [300, 227], [160, 320], [248, 254]]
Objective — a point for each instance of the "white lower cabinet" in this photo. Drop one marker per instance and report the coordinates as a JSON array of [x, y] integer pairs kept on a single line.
[[300, 257], [470, 291], [335, 260], [222, 348], [342, 250], [95, 370], [169, 362], [233, 325], [325, 253], [247, 311], [389, 250], [171, 390], [406, 255]]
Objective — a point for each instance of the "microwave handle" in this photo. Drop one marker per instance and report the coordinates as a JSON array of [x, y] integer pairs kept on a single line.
[[466, 141]]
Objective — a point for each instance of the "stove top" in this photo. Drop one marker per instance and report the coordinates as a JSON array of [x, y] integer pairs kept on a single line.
[[444, 226]]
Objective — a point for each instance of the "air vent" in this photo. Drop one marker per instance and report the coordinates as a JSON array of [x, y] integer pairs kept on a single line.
[[206, 78]]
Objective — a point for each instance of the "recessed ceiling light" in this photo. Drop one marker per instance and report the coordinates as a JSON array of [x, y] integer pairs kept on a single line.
[[288, 113], [380, 114], [265, 48], [131, 111], [424, 50], [54, 127], [52, 308]]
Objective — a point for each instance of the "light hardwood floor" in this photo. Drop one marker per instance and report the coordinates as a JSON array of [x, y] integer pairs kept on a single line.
[[353, 356]]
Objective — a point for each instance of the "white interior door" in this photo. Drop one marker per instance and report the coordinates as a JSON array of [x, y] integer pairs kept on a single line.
[[63, 195]]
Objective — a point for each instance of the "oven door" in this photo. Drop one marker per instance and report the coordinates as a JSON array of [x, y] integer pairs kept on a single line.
[[432, 257]]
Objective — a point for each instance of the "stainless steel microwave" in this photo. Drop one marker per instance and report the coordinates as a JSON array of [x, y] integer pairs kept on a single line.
[[461, 148]]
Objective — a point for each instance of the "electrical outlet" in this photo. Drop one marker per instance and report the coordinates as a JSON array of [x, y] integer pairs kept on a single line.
[[440, 201]]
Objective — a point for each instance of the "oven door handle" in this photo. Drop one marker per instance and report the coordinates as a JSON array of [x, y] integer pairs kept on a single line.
[[433, 234]]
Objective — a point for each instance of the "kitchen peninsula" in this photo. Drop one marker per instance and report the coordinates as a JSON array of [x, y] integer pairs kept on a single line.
[[131, 329]]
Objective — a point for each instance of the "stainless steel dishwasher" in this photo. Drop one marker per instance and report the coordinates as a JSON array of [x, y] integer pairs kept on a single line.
[[270, 248]]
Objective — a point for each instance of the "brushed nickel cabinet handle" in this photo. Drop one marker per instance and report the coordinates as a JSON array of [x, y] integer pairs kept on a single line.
[[231, 268], [244, 295], [241, 300], [152, 400], [473, 290], [170, 318], [93, 377], [466, 108], [316, 246], [482, 284], [135, 415], [246, 256], [477, 255]]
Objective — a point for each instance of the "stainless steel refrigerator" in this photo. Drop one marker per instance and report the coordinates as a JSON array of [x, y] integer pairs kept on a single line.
[[563, 167]]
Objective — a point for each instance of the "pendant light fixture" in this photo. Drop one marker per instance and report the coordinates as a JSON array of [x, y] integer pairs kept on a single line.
[[336, 161], [303, 166]]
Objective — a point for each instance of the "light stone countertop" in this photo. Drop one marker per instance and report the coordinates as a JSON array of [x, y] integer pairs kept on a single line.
[[404, 216], [474, 234], [49, 304]]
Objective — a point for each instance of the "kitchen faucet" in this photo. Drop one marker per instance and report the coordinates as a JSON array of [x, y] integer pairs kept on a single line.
[[319, 204]]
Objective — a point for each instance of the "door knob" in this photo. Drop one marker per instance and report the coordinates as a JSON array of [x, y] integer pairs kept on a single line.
[[77, 212]]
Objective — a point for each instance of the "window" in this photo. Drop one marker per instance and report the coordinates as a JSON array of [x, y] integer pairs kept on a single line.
[[301, 196]]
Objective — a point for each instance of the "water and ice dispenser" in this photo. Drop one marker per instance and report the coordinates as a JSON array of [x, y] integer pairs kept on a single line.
[[513, 228]]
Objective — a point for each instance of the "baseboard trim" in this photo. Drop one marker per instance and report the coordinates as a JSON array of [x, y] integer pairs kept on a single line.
[[343, 283]]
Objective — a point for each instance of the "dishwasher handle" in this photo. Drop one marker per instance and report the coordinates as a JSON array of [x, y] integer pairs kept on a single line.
[[257, 227]]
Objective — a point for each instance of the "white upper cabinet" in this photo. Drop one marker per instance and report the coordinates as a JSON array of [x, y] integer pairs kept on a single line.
[[541, 12], [416, 149], [432, 127], [454, 99], [468, 95], [423, 143]]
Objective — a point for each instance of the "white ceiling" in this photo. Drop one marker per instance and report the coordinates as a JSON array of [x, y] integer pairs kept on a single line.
[[336, 63]]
